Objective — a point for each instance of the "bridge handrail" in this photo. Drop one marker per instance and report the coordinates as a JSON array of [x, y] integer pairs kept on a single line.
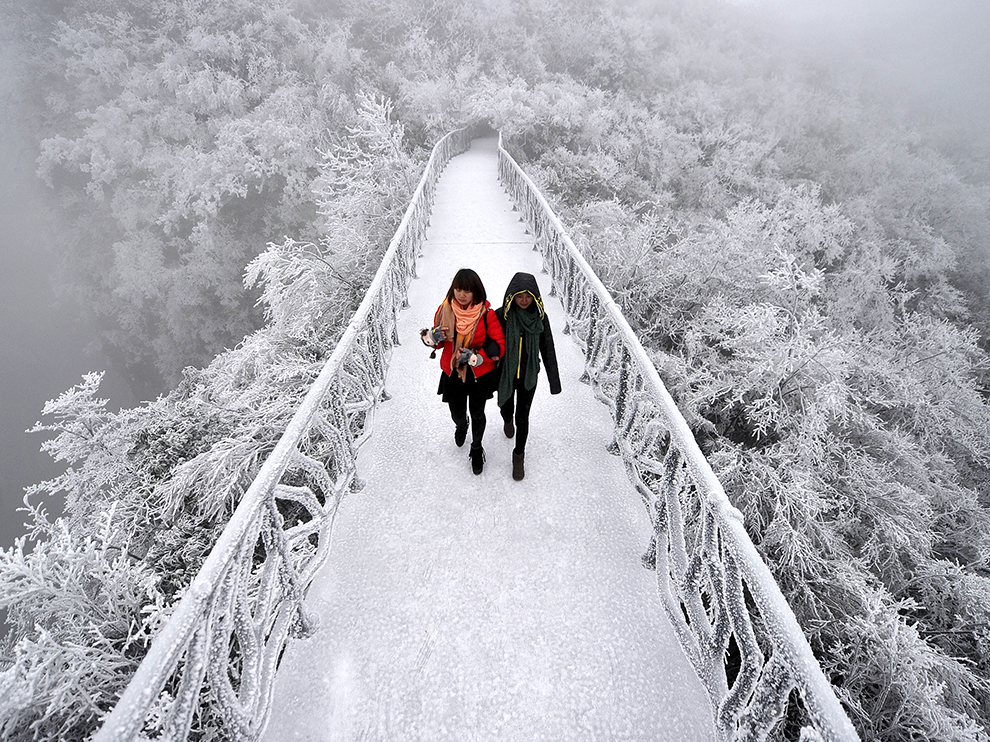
[[706, 563], [247, 597]]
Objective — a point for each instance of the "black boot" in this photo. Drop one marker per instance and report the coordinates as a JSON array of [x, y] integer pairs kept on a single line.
[[518, 472], [477, 456], [460, 434], [508, 428]]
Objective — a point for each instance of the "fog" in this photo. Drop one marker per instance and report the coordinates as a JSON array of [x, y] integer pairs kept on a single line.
[[44, 348], [929, 57]]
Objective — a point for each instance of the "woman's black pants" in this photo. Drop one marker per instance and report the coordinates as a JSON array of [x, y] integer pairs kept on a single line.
[[462, 396], [521, 400]]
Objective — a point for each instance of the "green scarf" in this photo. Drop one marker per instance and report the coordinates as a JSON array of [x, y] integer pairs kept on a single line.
[[522, 337]]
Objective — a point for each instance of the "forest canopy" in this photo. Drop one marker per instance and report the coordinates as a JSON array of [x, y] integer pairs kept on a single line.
[[805, 264]]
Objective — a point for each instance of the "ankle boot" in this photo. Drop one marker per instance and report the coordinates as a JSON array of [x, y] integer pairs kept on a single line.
[[477, 457], [508, 428], [518, 472]]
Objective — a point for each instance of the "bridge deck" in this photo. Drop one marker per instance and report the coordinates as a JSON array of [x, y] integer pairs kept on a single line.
[[462, 607]]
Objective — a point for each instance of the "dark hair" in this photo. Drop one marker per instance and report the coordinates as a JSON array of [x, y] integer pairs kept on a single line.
[[467, 280]]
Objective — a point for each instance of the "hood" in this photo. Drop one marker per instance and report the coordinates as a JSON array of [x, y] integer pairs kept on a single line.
[[523, 283]]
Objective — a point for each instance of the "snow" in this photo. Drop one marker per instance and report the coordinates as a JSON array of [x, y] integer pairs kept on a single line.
[[463, 607]]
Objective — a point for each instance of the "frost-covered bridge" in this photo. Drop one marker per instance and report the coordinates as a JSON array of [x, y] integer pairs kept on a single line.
[[369, 587]]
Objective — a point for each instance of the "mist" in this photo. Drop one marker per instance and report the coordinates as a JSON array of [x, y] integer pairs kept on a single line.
[[45, 345], [928, 58]]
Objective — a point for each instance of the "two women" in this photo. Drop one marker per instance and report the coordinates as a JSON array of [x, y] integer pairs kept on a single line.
[[465, 327], [473, 339]]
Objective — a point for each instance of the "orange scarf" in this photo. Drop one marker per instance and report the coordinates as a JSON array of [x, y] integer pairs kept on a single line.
[[465, 322], [467, 319]]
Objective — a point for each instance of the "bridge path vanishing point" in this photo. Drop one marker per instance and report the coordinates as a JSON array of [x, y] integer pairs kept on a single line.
[[462, 607]]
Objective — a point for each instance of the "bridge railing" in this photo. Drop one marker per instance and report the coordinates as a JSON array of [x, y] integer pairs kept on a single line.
[[715, 588], [227, 633]]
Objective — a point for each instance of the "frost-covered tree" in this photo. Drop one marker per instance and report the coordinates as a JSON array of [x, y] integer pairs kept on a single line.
[[804, 268], [365, 182], [185, 135]]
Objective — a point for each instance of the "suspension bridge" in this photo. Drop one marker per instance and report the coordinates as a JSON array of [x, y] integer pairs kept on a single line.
[[370, 587]]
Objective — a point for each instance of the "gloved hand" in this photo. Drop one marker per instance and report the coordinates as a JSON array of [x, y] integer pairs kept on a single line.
[[431, 338], [469, 357]]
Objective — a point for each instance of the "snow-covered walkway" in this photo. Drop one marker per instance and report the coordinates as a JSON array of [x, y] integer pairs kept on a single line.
[[462, 607]]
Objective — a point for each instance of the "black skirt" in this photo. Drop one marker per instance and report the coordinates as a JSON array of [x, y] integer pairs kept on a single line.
[[486, 385]]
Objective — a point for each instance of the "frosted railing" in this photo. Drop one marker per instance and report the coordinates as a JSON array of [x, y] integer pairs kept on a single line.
[[228, 631], [714, 586]]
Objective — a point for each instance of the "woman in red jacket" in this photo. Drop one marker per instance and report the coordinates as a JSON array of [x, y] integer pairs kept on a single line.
[[466, 328]]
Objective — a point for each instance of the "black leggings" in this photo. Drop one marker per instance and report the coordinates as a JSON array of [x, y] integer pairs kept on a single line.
[[522, 400], [462, 395]]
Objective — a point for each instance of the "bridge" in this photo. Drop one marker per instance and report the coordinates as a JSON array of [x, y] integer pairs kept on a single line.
[[370, 587]]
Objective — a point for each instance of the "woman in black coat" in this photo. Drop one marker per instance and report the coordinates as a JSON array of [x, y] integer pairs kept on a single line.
[[527, 337]]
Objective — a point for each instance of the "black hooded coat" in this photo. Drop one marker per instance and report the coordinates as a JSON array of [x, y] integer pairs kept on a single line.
[[526, 283]]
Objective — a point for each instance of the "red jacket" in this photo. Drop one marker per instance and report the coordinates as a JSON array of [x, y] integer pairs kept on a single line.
[[494, 331]]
